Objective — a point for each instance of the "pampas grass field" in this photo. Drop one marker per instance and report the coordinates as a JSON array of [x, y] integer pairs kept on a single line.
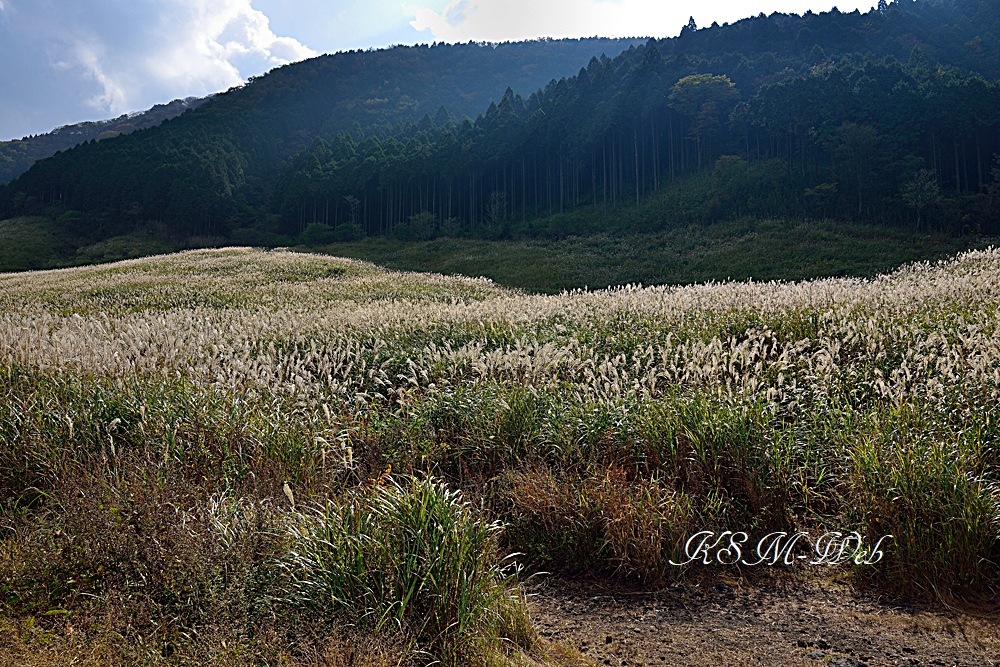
[[247, 457]]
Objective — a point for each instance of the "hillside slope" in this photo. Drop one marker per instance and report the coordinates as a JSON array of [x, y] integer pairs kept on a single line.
[[884, 118], [206, 169], [17, 155], [189, 441]]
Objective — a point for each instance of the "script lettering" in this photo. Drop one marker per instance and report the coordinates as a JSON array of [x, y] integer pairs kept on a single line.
[[774, 547], [732, 554], [831, 548]]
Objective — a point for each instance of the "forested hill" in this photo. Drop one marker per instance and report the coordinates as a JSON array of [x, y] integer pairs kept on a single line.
[[888, 116], [17, 155], [201, 169]]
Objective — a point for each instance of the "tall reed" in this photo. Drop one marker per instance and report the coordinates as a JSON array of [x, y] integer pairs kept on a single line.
[[411, 557]]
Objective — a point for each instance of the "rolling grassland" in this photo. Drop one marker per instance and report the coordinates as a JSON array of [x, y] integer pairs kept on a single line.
[[247, 457]]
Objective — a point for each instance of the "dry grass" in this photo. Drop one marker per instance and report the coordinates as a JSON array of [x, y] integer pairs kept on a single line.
[[186, 392]]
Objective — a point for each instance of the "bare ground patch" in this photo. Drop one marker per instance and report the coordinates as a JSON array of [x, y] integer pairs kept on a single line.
[[777, 621]]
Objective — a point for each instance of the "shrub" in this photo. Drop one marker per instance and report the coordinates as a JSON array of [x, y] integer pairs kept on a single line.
[[317, 234], [933, 496], [604, 520], [415, 558]]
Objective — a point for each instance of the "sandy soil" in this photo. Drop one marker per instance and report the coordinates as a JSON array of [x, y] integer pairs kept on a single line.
[[781, 620]]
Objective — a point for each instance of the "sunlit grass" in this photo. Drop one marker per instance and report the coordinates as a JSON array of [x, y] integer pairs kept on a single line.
[[188, 392], [411, 558]]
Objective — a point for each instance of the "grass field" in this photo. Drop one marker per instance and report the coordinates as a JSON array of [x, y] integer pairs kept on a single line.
[[758, 250], [30, 243], [41, 243], [677, 254], [246, 457]]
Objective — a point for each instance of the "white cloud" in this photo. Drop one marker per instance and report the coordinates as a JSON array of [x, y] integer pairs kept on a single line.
[[500, 20], [148, 51], [203, 42], [113, 96], [63, 61], [228, 28], [334, 25]]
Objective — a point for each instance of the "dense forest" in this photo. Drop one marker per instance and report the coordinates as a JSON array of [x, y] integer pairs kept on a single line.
[[877, 142], [17, 155], [889, 117], [213, 167]]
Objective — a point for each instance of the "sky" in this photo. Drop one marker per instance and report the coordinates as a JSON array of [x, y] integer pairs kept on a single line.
[[67, 61]]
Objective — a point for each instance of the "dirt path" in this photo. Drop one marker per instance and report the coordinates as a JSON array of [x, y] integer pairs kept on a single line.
[[777, 622]]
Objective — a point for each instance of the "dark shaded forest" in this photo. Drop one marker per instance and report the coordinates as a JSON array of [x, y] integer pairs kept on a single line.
[[889, 118], [875, 142], [18, 155]]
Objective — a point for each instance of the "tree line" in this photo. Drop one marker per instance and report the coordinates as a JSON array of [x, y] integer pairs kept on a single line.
[[878, 142], [886, 117]]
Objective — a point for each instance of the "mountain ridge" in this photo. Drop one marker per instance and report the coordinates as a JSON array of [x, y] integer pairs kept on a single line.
[[18, 155], [374, 142]]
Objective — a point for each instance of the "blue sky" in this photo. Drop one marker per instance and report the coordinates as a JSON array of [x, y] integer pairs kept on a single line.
[[66, 61]]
